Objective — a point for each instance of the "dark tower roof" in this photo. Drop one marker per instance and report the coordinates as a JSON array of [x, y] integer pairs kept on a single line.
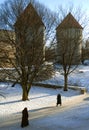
[[30, 16], [69, 22]]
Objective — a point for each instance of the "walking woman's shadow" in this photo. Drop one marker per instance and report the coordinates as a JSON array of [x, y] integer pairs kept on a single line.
[[86, 99]]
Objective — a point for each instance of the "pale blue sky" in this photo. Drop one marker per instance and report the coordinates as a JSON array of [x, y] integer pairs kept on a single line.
[[1, 1], [53, 4]]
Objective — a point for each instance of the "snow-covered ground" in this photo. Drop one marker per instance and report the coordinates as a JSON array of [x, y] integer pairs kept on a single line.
[[42, 98], [80, 77]]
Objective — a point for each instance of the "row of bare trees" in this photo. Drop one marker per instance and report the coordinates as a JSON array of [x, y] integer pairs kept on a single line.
[[30, 64]]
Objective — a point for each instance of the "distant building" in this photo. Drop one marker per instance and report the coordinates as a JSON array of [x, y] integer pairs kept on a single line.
[[69, 40], [6, 49], [30, 32]]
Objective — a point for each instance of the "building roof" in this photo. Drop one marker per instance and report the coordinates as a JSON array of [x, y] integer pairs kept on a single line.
[[69, 22], [29, 16]]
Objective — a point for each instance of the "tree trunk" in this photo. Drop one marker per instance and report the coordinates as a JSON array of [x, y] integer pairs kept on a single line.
[[65, 82], [25, 94]]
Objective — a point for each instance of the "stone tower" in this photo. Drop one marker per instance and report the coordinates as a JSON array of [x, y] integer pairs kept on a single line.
[[30, 32], [69, 41]]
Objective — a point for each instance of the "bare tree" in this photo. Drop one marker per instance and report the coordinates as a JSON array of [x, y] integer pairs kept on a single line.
[[69, 46], [68, 57], [28, 42], [69, 43]]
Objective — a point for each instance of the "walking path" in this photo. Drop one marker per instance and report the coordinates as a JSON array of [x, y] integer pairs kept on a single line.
[[51, 110]]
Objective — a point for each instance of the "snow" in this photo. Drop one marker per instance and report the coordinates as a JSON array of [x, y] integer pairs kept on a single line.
[[78, 78], [73, 114]]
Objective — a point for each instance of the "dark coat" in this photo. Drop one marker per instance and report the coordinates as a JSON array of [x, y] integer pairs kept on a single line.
[[59, 99], [25, 121]]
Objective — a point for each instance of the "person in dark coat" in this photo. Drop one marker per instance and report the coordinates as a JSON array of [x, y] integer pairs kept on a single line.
[[25, 121], [59, 100]]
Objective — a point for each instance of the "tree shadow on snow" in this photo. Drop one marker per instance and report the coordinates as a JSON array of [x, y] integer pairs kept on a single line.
[[42, 108], [48, 95], [10, 102]]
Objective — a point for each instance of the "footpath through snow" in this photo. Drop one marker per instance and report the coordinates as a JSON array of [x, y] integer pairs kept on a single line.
[[42, 112]]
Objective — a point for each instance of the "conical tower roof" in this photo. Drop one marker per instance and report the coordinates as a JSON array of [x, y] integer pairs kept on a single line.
[[69, 22], [29, 16]]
